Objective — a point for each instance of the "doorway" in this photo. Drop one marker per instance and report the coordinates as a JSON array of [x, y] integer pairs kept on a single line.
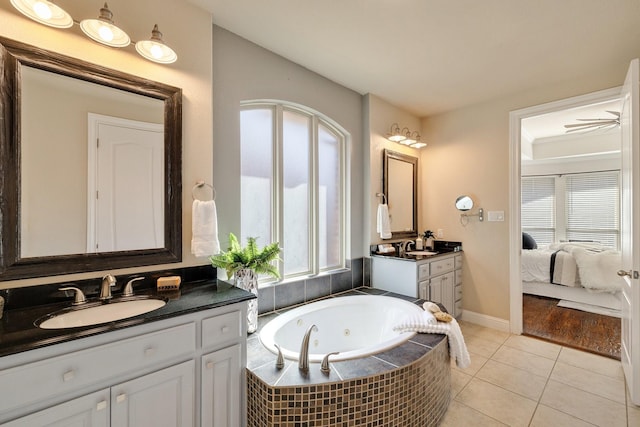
[[516, 169]]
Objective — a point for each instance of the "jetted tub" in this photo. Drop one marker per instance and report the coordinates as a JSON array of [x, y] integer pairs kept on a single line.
[[356, 326]]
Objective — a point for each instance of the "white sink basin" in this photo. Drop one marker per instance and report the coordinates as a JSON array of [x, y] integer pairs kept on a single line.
[[423, 253], [96, 314]]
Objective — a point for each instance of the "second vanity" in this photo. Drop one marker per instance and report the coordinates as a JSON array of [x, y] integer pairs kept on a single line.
[[182, 364], [436, 278]]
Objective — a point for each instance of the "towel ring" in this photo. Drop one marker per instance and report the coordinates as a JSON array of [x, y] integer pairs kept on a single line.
[[384, 198], [200, 184]]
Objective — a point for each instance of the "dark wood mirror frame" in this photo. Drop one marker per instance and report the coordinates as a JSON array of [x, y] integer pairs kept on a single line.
[[388, 155], [12, 266]]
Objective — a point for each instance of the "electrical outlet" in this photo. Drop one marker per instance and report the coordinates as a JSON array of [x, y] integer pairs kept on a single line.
[[440, 233]]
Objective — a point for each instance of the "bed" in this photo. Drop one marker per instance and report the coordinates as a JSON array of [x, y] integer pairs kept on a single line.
[[577, 273]]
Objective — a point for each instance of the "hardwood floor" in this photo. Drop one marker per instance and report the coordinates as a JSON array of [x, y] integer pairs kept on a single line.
[[591, 332]]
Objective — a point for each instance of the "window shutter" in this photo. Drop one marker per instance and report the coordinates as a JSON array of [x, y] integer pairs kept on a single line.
[[539, 207]]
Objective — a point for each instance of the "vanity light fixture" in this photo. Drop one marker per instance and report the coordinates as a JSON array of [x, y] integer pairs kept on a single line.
[[102, 29], [155, 50], [405, 137], [44, 12]]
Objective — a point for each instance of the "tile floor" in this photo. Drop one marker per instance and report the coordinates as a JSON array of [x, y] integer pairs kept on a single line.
[[520, 381]]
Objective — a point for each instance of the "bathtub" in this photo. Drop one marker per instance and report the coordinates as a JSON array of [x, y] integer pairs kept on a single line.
[[355, 326]]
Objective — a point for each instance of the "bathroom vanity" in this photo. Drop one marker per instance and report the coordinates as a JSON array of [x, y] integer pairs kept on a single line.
[[180, 365], [436, 278]]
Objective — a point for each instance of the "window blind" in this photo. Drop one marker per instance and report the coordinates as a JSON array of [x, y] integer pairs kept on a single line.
[[593, 207], [539, 207]]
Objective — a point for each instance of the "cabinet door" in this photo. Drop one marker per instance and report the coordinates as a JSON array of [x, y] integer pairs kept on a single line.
[[161, 399], [221, 376], [91, 410], [435, 290], [441, 289]]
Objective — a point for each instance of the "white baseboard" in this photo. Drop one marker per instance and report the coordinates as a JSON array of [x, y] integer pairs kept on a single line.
[[486, 321]]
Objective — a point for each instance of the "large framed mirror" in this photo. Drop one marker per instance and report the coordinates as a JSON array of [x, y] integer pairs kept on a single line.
[[90, 162], [400, 184]]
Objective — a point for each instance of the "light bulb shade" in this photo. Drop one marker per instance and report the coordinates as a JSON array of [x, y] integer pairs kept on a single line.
[[155, 50], [395, 134], [104, 31], [418, 145], [44, 12]]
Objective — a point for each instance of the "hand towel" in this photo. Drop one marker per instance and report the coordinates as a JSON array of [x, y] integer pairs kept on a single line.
[[204, 226], [383, 225], [457, 347]]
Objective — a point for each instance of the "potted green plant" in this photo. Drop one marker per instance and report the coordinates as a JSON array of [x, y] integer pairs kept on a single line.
[[244, 264]]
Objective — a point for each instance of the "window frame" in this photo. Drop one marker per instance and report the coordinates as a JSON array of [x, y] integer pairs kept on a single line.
[[316, 119]]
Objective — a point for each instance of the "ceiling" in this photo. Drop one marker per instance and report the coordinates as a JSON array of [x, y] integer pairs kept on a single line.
[[433, 56]]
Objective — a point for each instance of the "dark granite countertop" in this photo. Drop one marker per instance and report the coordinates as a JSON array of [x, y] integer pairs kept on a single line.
[[262, 362], [18, 332]]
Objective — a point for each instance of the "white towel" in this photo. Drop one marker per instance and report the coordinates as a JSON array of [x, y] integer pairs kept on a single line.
[[204, 226], [457, 347], [383, 225]]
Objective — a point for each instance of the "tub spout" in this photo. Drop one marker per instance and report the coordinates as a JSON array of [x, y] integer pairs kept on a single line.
[[303, 361]]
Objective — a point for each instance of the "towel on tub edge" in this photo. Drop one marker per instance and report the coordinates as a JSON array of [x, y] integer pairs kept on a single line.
[[426, 323]]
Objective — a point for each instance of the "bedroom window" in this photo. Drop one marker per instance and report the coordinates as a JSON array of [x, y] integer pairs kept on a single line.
[[576, 207], [294, 189]]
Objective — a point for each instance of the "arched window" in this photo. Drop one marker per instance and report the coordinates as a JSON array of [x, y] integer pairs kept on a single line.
[[294, 185]]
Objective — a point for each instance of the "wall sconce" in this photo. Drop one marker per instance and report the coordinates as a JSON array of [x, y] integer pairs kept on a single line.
[[102, 29], [405, 137]]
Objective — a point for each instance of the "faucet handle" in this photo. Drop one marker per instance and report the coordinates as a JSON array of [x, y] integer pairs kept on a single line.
[[128, 288], [79, 297], [324, 366], [280, 359]]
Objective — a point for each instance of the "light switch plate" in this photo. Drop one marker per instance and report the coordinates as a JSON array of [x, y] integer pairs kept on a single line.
[[495, 216]]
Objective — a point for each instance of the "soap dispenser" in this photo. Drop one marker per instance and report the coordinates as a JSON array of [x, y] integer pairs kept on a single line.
[[419, 243]]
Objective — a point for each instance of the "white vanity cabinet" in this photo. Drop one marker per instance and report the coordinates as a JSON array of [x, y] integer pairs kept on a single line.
[[437, 279], [152, 375]]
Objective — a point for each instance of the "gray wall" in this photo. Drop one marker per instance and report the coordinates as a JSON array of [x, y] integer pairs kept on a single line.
[[244, 71]]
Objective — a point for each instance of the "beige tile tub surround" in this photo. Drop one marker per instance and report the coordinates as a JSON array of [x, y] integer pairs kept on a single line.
[[522, 381], [416, 394]]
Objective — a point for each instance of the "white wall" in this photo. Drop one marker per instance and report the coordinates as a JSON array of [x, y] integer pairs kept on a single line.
[[187, 29], [244, 71]]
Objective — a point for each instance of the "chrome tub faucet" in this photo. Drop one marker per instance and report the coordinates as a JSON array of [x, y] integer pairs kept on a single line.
[[303, 361]]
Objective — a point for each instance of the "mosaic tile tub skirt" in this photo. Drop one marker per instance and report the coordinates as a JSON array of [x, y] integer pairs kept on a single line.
[[416, 394]]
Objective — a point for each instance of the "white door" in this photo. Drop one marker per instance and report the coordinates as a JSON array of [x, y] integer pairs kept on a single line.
[[126, 204], [630, 230]]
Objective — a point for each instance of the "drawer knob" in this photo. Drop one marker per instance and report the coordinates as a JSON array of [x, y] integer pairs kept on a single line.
[[209, 365], [149, 351], [224, 329], [68, 376], [101, 405], [121, 397]]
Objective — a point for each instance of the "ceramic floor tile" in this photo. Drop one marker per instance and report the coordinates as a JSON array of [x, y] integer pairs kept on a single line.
[[458, 381], [602, 385], [534, 345], [482, 332], [476, 363], [481, 346], [546, 416], [592, 362], [524, 360], [496, 402], [513, 379], [462, 415], [583, 405]]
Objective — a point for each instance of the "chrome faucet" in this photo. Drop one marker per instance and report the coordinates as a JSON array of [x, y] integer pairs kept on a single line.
[[108, 281], [303, 361], [404, 246]]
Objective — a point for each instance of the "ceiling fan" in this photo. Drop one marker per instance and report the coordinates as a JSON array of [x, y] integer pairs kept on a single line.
[[595, 124]]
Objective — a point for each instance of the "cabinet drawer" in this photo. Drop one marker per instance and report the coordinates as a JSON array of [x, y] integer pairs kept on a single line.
[[423, 271], [442, 266], [31, 383], [221, 329], [458, 261], [458, 293], [458, 277]]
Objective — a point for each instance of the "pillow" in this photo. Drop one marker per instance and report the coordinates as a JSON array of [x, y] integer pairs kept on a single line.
[[528, 242]]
